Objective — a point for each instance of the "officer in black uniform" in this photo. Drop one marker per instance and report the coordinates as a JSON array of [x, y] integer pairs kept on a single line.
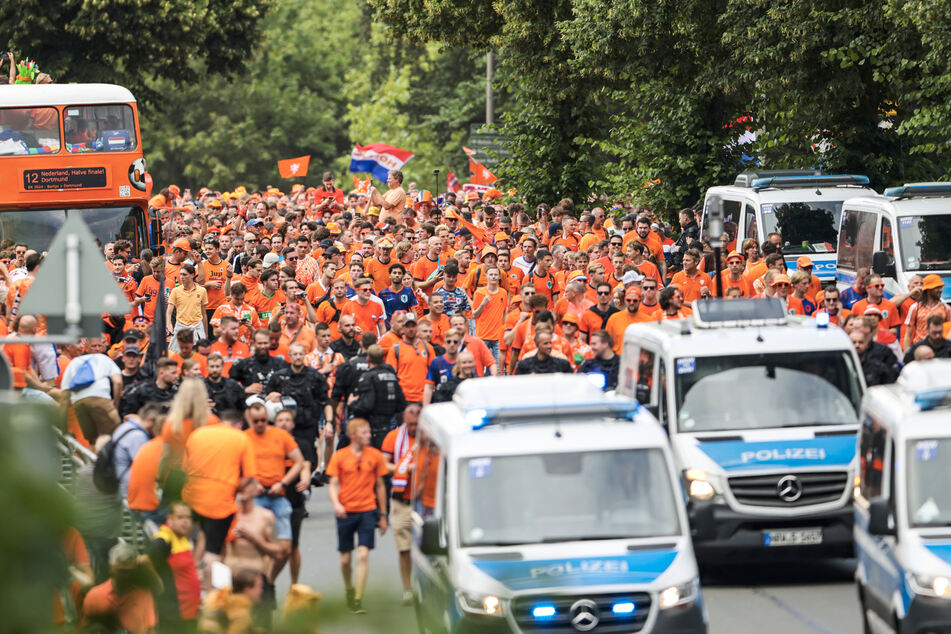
[[378, 396], [224, 392], [254, 372], [308, 388]]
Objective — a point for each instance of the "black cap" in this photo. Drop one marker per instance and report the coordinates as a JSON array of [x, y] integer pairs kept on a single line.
[[132, 335]]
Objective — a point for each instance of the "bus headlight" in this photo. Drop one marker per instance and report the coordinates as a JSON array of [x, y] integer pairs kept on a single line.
[[683, 594], [929, 585], [699, 486], [484, 604]]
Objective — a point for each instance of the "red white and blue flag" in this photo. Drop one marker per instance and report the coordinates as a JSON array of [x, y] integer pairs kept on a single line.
[[452, 183], [378, 159]]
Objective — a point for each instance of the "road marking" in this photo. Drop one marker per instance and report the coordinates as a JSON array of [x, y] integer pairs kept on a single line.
[[799, 614]]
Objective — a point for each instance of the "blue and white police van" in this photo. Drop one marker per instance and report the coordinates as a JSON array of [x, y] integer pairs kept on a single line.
[[762, 411], [542, 505], [902, 233], [903, 501], [803, 206]]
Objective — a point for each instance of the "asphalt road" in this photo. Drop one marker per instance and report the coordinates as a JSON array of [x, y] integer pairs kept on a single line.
[[771, 598]]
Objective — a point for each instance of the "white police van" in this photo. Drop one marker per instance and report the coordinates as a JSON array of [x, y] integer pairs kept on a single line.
[[803, 206], [903, 501], [542, 505], [905, 232], [762, 412]]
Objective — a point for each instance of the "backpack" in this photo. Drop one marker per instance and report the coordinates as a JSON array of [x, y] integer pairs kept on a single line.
[[84, 377], [104, 475]]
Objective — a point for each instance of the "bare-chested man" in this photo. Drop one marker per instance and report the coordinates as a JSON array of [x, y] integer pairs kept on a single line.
[[255, 544]]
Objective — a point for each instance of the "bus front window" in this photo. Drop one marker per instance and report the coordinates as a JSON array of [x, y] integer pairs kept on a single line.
[[37, 227], [28, 131], [104, 128]]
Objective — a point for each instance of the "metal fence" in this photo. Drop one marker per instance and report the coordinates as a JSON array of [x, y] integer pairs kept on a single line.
[[73, 456]]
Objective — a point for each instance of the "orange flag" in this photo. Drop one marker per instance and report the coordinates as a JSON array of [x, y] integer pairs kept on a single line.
[[361, 187], [294, 167], [480, 173]]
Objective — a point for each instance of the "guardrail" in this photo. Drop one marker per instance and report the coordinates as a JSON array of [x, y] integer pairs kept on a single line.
[[73, 456]]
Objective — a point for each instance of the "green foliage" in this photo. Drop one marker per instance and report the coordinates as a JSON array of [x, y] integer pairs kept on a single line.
[[126, 41]]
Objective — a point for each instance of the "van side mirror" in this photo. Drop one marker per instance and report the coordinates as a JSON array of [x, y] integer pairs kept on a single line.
[[703, 527], [881, 264], [430, 544], [880, 520]]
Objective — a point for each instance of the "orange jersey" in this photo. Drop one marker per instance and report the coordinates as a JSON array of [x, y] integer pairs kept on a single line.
[[149, 289], [412, 366], [266, 306], [215, 273], [270, 451], [200, 358], [379, 271], [490, 324], [690, 285], [230, 354], [618, 323], [546, 285], [366, 317], [744, 284], [216, 458]]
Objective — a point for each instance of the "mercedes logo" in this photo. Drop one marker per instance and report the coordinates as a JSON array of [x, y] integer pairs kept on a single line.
[[789, 488], [584, 615]]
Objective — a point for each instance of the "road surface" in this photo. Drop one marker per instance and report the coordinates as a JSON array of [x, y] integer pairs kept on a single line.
[[797, 598]]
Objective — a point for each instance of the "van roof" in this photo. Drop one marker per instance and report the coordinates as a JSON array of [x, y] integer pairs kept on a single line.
[[33, 95], [919, 404], [681, 338], [917, 206], [827, 193]]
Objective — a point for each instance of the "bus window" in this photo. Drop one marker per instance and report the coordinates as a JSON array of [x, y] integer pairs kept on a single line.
[[37, 227], [29, 131], [106, 128]]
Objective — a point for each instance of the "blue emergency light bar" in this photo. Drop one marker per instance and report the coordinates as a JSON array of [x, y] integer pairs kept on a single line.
[[919, 190], [617, 409], [933, 399], [815, 180]]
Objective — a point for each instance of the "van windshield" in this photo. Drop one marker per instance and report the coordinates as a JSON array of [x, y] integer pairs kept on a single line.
[[540, 498], [924, 242], [805, 227], [929, 496], [760, 391], [36, 228]]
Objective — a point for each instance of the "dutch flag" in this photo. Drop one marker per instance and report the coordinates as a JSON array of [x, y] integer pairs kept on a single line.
[[378, 159]]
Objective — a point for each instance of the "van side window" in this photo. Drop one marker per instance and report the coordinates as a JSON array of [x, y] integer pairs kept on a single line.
[[856, 239], [750, 232], [871, 459], [645, 392]]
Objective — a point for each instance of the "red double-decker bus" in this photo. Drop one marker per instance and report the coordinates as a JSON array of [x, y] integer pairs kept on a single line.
[[72, 149]]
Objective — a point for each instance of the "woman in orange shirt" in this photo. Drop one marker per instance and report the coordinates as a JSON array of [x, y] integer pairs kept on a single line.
[[188, 412]]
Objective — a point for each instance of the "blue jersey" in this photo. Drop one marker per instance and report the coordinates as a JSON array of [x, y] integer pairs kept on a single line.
[[456, 301], [439, 370], [392, 302], [850, 296]]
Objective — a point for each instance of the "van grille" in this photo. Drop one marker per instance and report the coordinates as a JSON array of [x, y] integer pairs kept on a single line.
[[817, 487], [560, 623]]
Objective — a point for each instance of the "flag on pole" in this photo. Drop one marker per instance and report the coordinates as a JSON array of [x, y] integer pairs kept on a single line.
[[452, 183], [361, 187], [294, 167], [480, 173], [468, 151], [378, 159]]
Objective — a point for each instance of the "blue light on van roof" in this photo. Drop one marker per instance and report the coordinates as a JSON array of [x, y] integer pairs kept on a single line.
[[623, 607], [543, 611], [477, 418], [818, 180], [911, 190]]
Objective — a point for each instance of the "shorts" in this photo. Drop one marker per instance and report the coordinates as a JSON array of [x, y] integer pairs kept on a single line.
[[401, 523], [363, 524], [97, 416], [215, 531], [281, 508]]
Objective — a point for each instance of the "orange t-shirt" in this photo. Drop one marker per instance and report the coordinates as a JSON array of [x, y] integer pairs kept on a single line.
[[546, 285], [424, 267], [149, 289], [412, 366], [387, 341], [200, 358], [215, 273], [325, 314], [134, 610], [216, 458], [142, 474], [306, 336], [265, 305], [490, 324], [357, 477], [890, 314], [690, 286], [230, 354], [440, 326], [366, 317], [618, 323], [270, 451], [649, 269], [379, 272], [745, 285], [512, 280]]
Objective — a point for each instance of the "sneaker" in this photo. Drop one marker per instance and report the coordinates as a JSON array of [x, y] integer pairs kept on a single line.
[[351, 598], [318, 479], [407, 598], [358, 607]]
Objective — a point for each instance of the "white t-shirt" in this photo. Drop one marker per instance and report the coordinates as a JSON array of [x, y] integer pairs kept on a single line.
[[103, 367]]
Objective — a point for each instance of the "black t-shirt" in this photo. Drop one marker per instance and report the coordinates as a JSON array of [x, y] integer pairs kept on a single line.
[[348, 350]]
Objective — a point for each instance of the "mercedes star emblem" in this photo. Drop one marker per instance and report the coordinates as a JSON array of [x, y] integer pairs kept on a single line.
[[789, 488], [585, 615]]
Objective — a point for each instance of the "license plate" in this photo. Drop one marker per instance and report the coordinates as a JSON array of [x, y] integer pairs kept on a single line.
[[793, 537]]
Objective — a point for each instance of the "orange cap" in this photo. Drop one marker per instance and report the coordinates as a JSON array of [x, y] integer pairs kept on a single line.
[[333, 228], [804, 260], [570, 318], [780, 279], [182, 244], [575, 275], [489, 249], [632, 293], [931, 281], [501, 235], [735, 255]]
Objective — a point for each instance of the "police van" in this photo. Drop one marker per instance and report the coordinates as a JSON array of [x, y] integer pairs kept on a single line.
[[542, 505], [762, 413], [803, 206], [904, 232], [903, 501]]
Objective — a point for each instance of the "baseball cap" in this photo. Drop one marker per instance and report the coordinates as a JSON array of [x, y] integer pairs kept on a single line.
[[450, 214], [472, 196], [501, 235], [253, 223], [131, 335], [735, 255], [804, 260], [410, 317], [780, 279], [332, 250], [131, 348], [270, 259], [183, 244], [385, 243], [333, 228], [631, 277], [575, 275], [373, 211], [872, 310], [632, 293], [570, 318]]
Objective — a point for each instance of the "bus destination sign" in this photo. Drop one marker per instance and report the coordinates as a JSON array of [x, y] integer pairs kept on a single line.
[[64, 178]]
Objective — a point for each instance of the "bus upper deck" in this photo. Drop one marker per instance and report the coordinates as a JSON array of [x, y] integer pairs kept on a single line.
[[71, 148]]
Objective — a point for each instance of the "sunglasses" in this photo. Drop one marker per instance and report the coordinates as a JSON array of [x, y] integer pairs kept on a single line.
[[781, 285], [876, 286], [452, 341], [604, 292], [649, 288], [290, 259], [616, 244]]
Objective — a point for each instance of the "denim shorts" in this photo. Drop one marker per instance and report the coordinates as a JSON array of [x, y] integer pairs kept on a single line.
[[281, 507], [363, 524]]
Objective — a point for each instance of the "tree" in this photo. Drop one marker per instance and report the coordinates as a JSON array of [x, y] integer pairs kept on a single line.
[[129, 41]]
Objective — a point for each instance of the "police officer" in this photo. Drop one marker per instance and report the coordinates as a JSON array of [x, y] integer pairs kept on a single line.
[[225, 393], [308, 388], [378, 396], [254, 372]]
